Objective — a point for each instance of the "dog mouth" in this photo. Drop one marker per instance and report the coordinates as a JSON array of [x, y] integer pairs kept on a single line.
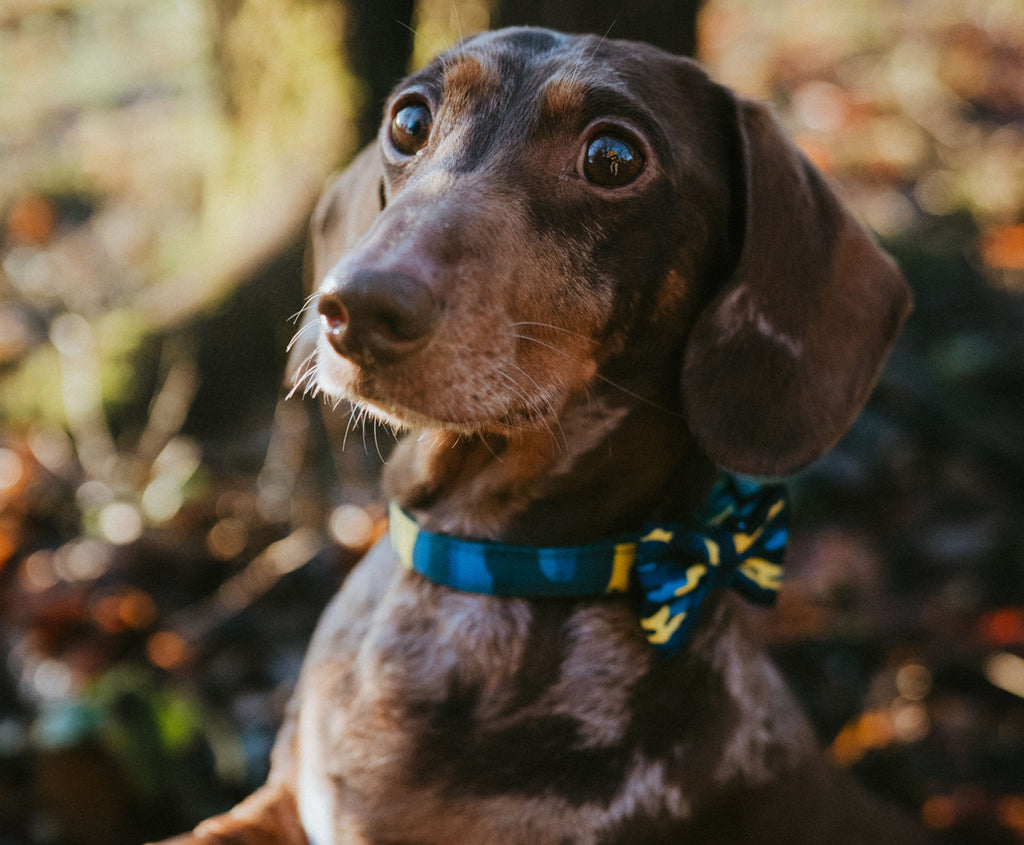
[[515, 415], [402, 418], [493, 395]]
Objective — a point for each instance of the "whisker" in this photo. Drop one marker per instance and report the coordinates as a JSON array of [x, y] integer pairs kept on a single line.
[[546, 411], [308, 327], [364, 417], [306, 303], [308, 379], [413, 31], [458, 21], [348, 427], [650, 402], [562, 329], [536, 408], [297, 385], [376, 442], [358, 422], [417, 35]]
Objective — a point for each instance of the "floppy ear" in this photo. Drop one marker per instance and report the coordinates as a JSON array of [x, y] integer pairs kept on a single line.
[[782, 359], [343, 214]]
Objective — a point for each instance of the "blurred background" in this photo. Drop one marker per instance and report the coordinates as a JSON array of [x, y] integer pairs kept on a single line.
[[170, 527]]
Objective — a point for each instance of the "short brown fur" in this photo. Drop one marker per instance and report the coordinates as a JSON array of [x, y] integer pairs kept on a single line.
[[573, 358], [469, 77], [562, 96]]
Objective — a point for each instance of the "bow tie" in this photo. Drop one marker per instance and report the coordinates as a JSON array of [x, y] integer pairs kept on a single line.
[[736, 540], [740, 543]]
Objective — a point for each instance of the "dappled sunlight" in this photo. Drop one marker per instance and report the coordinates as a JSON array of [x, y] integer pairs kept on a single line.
[[914, 107], [170, 527]]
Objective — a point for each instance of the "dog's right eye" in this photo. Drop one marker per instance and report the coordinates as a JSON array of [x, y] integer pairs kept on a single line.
[[611, 161], [410, 127]]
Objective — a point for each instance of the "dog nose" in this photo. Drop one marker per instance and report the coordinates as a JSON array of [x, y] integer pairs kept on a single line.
[[373, 314]]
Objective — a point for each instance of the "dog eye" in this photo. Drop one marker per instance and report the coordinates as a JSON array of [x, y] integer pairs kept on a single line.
[[410, 128], [611, 161]]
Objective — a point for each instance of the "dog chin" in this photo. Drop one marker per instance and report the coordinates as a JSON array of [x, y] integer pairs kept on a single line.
[[339, 381], [402, 418], [393, 414]]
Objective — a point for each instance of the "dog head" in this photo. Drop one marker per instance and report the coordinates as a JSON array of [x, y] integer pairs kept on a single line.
[[542, 213]]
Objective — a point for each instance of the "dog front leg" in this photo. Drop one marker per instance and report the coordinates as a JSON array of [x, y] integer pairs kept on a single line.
[[267, 817]]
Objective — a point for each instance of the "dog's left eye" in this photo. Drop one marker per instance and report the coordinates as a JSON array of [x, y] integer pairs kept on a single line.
[[410, 127], [611, 161]]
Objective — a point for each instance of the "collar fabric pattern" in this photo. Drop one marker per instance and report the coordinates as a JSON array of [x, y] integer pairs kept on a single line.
[[736, 540]]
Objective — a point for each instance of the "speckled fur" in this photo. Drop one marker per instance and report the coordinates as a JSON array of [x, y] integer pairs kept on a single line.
[[591, 356]]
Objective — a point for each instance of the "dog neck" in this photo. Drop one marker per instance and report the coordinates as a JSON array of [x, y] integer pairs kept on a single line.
[[610, 464]]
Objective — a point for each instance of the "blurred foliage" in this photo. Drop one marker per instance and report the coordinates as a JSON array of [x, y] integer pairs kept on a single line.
[[902, 625], [439, 23], [169, 531], [916, 107], [153, 154]]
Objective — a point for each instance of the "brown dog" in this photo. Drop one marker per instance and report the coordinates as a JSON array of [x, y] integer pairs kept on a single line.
[[585, 277]]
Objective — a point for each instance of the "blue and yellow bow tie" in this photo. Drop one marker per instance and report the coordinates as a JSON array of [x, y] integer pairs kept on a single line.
[[738, 539]]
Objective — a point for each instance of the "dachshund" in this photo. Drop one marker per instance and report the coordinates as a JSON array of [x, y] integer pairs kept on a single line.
[[602, 295]]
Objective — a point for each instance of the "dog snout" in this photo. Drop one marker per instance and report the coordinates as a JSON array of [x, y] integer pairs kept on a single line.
[[374, 315]]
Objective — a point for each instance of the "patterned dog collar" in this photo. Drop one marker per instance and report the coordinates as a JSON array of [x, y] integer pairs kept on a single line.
[[738, 539]]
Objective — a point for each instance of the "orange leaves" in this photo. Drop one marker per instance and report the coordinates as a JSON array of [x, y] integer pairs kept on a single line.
[[1003, 247]]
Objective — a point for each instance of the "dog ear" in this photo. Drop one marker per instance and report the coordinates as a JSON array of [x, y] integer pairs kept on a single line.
[[780, 362], [343, 214]]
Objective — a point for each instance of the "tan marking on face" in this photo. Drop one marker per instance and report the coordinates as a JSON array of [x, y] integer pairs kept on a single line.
[[468, 75], [563, 96]]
